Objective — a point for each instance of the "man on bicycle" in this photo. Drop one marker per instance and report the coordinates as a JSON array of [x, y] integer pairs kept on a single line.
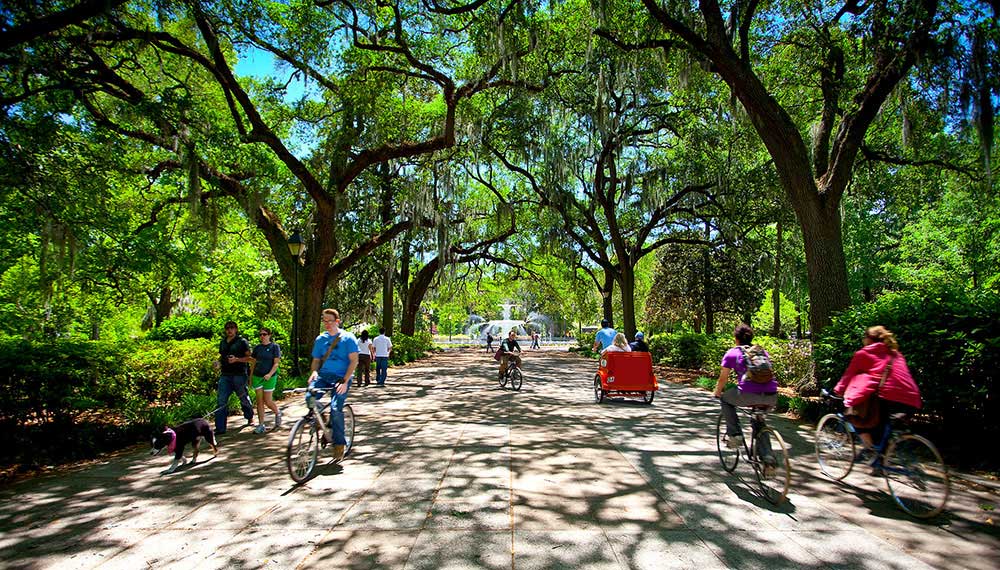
[[334, 358], [507, 348]]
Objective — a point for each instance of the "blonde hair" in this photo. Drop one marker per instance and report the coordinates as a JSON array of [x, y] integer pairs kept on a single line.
[[878, 333], [620, 340]]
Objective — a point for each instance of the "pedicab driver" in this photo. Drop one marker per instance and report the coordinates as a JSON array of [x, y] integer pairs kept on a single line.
[[507, 348], [604, 337], [334, 358]]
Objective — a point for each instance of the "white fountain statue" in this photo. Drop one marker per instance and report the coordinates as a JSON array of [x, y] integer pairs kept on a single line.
[[498, 327]]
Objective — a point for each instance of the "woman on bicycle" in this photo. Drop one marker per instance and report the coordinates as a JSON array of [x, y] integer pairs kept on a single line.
[[746, 392], [878, 370], [507, 348]]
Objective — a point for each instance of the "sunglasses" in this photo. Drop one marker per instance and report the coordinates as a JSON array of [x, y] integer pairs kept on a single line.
[[264, 334]]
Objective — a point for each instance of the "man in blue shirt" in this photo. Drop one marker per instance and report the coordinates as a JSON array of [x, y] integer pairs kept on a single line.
[[604, 337], [334, 367]]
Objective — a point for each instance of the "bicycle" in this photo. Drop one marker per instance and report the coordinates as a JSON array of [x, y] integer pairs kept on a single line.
[[772, 469], [914, 472], [513, 374], [313, 432]]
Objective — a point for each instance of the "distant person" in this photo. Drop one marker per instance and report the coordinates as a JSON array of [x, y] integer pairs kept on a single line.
[[639, 344], [507, 348], [604, 337], [366, 353], [334, 358], [266, 355], [489, 342], [234, 353], [619, 344], [534, 340], [383, 348]]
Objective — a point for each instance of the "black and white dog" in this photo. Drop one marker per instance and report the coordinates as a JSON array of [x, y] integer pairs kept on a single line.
[[177, 438]]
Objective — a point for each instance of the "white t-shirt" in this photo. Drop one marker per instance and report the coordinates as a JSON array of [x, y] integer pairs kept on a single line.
[[382, 346], [364, 347]]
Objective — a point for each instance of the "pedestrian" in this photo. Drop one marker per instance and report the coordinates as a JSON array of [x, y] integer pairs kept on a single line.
[[234, 353], [604, 337], [366, 353], [534, 339], [639, 344], [334, 358], [266, 355], [489, 342], [383, 348]]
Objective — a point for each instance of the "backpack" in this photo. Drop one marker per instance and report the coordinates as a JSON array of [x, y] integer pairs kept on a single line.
[[759, 369]]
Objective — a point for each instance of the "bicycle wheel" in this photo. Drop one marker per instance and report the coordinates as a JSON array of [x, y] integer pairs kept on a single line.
[[647, 397], [349, 427], [834, 447], [516, 378], [771, 465], [730, 458], [598, 391], [503, 379], [303, 449], [916, 475]]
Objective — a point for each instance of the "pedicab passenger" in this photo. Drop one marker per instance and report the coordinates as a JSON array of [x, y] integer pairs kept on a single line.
[[507, 348], [877, 370], [639, 344], [619, 344]]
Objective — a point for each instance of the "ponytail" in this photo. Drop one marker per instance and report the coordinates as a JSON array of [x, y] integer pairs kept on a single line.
[[881, 334]]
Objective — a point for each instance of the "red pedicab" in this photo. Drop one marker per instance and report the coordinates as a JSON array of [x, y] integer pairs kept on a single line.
[[625, 374]]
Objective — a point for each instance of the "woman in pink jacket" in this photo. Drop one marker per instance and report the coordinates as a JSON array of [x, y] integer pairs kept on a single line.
[[861, 380]]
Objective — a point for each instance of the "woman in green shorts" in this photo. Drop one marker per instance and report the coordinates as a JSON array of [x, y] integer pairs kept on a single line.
[[265, 378]]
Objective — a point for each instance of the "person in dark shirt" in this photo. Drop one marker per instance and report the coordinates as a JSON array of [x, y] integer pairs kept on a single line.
[[507, 348], [234, 353], [639, 344]]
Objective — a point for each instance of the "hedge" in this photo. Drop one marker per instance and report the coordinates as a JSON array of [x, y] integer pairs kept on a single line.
[[951, 341]]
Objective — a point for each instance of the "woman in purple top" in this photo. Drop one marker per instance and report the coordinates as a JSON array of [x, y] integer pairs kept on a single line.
[[747, 392]]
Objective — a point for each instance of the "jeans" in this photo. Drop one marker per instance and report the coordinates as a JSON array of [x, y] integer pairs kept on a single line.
[[381, 369], [227, 385], [336, 407]]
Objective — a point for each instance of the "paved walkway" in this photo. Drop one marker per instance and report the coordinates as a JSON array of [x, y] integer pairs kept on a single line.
[[452, 472]]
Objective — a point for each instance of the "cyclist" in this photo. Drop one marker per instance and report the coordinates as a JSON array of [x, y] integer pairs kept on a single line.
[[877, 370], [746, 393], [604, 337], [507, 348], [334, 358]]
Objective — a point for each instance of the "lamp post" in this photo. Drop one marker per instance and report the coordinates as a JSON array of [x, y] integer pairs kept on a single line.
[[295, 246]]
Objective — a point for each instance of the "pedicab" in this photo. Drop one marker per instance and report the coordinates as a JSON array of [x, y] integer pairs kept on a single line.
[[628, 374]]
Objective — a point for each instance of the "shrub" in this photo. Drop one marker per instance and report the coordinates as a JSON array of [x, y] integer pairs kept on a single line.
[[183, 327], [167, 371], [407, 348], [951, 341], [585, 343]]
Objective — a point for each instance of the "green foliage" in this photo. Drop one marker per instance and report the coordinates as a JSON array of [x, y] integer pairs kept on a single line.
[[585, 342], [191, 326], [409, 348], [689, 350], [169, 370], [951, 341], [792, 360]]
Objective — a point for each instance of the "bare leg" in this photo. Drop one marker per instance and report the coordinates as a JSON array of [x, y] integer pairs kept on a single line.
[[260, 406], [269, 402]]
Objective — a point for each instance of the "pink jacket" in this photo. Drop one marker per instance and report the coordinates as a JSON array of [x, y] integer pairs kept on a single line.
[[863, 374]]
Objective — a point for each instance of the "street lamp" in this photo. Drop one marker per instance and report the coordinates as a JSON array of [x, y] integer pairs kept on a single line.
[[295, 247]]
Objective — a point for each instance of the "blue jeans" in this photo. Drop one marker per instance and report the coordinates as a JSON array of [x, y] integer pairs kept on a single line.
[[336, 407], [227, 385], [381, 369]]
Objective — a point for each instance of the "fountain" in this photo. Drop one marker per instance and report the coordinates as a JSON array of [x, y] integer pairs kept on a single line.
[[498, 327]]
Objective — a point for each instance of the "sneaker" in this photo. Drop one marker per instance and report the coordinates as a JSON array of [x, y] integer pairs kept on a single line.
[[734, 441], [338, 452], [277, 420], [260, 429]]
